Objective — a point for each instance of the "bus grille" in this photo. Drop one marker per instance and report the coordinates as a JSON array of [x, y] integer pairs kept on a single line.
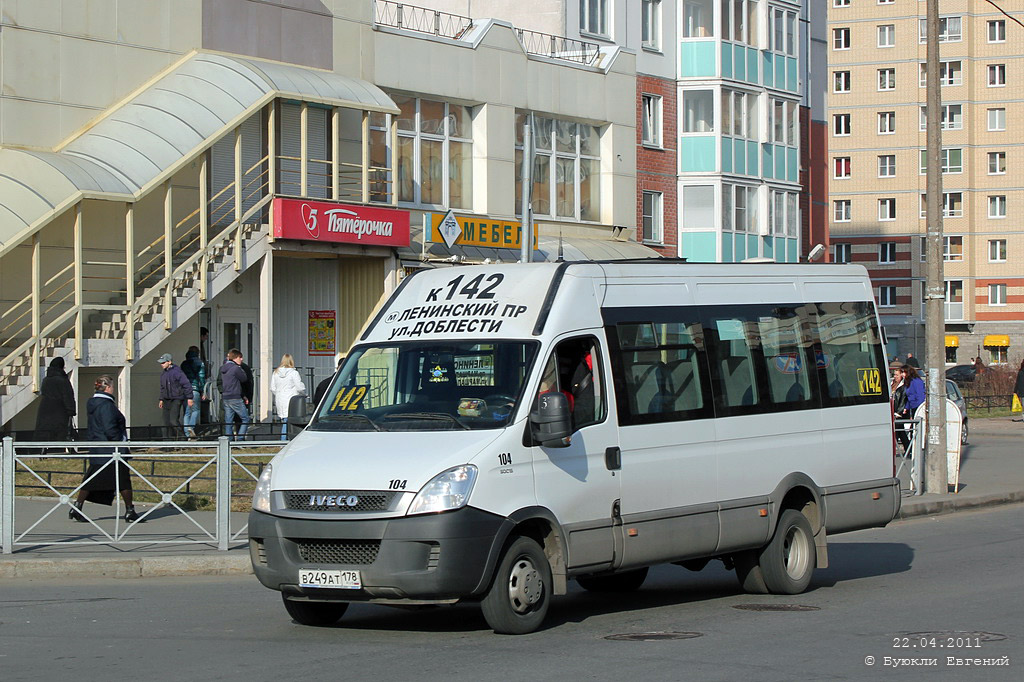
[[349, 552], [316, 500]]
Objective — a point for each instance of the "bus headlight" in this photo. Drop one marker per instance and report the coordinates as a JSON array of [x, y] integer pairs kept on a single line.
[[448, 490], [261, 496]]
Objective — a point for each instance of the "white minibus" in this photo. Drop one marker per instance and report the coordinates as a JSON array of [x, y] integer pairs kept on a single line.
[[498, 430]]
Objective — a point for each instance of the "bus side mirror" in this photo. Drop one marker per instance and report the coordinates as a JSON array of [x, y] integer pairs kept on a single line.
[[551, 420]]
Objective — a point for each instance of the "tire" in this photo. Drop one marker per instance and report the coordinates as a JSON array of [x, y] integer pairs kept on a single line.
[[627, 581], [518, 599], [315, 613], [749, 572], [788, 560], [963, 434]]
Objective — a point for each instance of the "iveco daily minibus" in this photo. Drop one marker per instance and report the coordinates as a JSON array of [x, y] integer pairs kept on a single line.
[[501, 429]]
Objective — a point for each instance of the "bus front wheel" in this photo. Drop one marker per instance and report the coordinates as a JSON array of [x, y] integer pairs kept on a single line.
[[518, 599]]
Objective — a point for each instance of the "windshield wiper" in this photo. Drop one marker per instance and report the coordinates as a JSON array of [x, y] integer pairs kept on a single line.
[[347, 416], [434, 416]]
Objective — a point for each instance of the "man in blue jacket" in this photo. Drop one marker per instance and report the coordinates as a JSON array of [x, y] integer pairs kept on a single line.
[[232, 378], [175, 392]]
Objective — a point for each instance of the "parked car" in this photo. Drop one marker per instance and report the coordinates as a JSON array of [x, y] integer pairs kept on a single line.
[[954, 394], [961, 374]]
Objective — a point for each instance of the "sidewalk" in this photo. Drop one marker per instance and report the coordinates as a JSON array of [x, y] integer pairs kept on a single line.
[[991, 473]]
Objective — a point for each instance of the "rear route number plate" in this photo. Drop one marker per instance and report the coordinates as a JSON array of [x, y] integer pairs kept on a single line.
[[342, 580]]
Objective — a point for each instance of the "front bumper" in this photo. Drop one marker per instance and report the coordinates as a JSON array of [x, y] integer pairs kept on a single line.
[[429, 558]]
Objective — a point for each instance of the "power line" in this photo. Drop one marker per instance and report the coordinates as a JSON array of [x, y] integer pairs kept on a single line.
[[1013, 19]]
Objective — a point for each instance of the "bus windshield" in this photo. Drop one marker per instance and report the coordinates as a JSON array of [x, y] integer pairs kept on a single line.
[[427, 386]]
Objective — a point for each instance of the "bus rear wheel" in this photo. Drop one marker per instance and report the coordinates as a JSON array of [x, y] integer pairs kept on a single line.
[[788, 560]]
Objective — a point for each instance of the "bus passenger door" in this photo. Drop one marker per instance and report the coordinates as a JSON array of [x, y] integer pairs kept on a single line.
[[575, 482]]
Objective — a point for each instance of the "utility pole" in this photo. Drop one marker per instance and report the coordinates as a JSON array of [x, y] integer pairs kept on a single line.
[[526, 225], [935, 287]]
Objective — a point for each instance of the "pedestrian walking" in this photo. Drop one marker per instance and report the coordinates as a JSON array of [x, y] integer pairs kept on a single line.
[[979, 366], [195, 371], [912, 361], [102, 479], [915, 391], [56, 404], [899, 406], [232, 377], [175, 392], [285, 385]]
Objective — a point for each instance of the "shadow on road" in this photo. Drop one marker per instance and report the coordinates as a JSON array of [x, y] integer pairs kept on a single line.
[[854, 560]]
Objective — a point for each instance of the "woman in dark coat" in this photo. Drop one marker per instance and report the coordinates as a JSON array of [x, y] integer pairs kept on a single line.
[[1018, 386], [105, 423], [56, 404]]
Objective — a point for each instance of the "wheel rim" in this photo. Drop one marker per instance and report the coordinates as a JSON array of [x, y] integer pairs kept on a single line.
[[796, 553], [525, 587]]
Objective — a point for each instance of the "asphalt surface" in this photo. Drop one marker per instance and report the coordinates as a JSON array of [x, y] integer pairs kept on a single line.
[[991, 474], [895, 603]]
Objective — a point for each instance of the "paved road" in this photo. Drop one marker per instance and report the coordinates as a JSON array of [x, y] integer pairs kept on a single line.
[[950, 573]]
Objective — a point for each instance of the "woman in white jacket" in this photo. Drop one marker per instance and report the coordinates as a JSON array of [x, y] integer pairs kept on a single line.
[[285, 384]]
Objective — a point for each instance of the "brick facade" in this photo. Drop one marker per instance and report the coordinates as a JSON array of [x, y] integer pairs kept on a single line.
[[656, 168]]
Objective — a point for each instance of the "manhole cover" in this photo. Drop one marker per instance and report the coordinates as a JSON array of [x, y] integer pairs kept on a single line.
[[955, 634], [653, 636], [776, 607]]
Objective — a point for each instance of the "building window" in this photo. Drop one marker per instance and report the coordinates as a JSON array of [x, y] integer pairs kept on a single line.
[[887, 35], [594, 17], [887, 166], [566, 168], [996, 75], [842, 253], [783, 31], [997, 163], [785, 119], [997, 355], [997, 31], [841, 125], [954, 304], [739, 114], [840, 3], [739, 21], [652, 217], [950, 73], [784, 213], [949, 30], [952, 161], [843, 212], [651, 105], [952, 207], [435, 153], [997, 119], [840, 39], [996, 250], [887, 252], [997, 206], [952, 249], [951, 118], [739, 208], [886, 296], [997, 294], [842, 167], [886, 122], [698, 22], [886, 2], [840, 81], [887, 209], [887, 79]]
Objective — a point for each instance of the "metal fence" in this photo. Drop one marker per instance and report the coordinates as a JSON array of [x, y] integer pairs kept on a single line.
[[189, 492], [911, 463], [558, 47], [420, 19], [989, 402]]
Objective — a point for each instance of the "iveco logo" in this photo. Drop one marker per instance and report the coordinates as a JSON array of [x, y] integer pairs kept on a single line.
[[333, 501]]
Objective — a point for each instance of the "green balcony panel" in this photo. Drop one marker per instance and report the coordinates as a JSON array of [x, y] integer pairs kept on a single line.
[[794, 82], [739, 251], [780, 249], [697, 58], [752, 168], [699, 247], [727, 239], [780, 71], [768, 246], [697, 154], [727, 143], [739, 62], [752, 66], [739, 158], [793, 164], [726, 60], [791, 251], [768, 160], [768, 61], [752, 241], [780, 162]]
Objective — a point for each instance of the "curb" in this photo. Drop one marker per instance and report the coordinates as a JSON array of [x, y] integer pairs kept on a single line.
[[127, 567], [952, 504]]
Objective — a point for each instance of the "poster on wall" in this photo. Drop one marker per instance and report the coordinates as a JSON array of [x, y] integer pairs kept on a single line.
[[322, 332]]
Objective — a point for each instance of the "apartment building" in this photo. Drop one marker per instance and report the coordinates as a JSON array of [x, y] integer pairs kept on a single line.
[[877, 139]]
